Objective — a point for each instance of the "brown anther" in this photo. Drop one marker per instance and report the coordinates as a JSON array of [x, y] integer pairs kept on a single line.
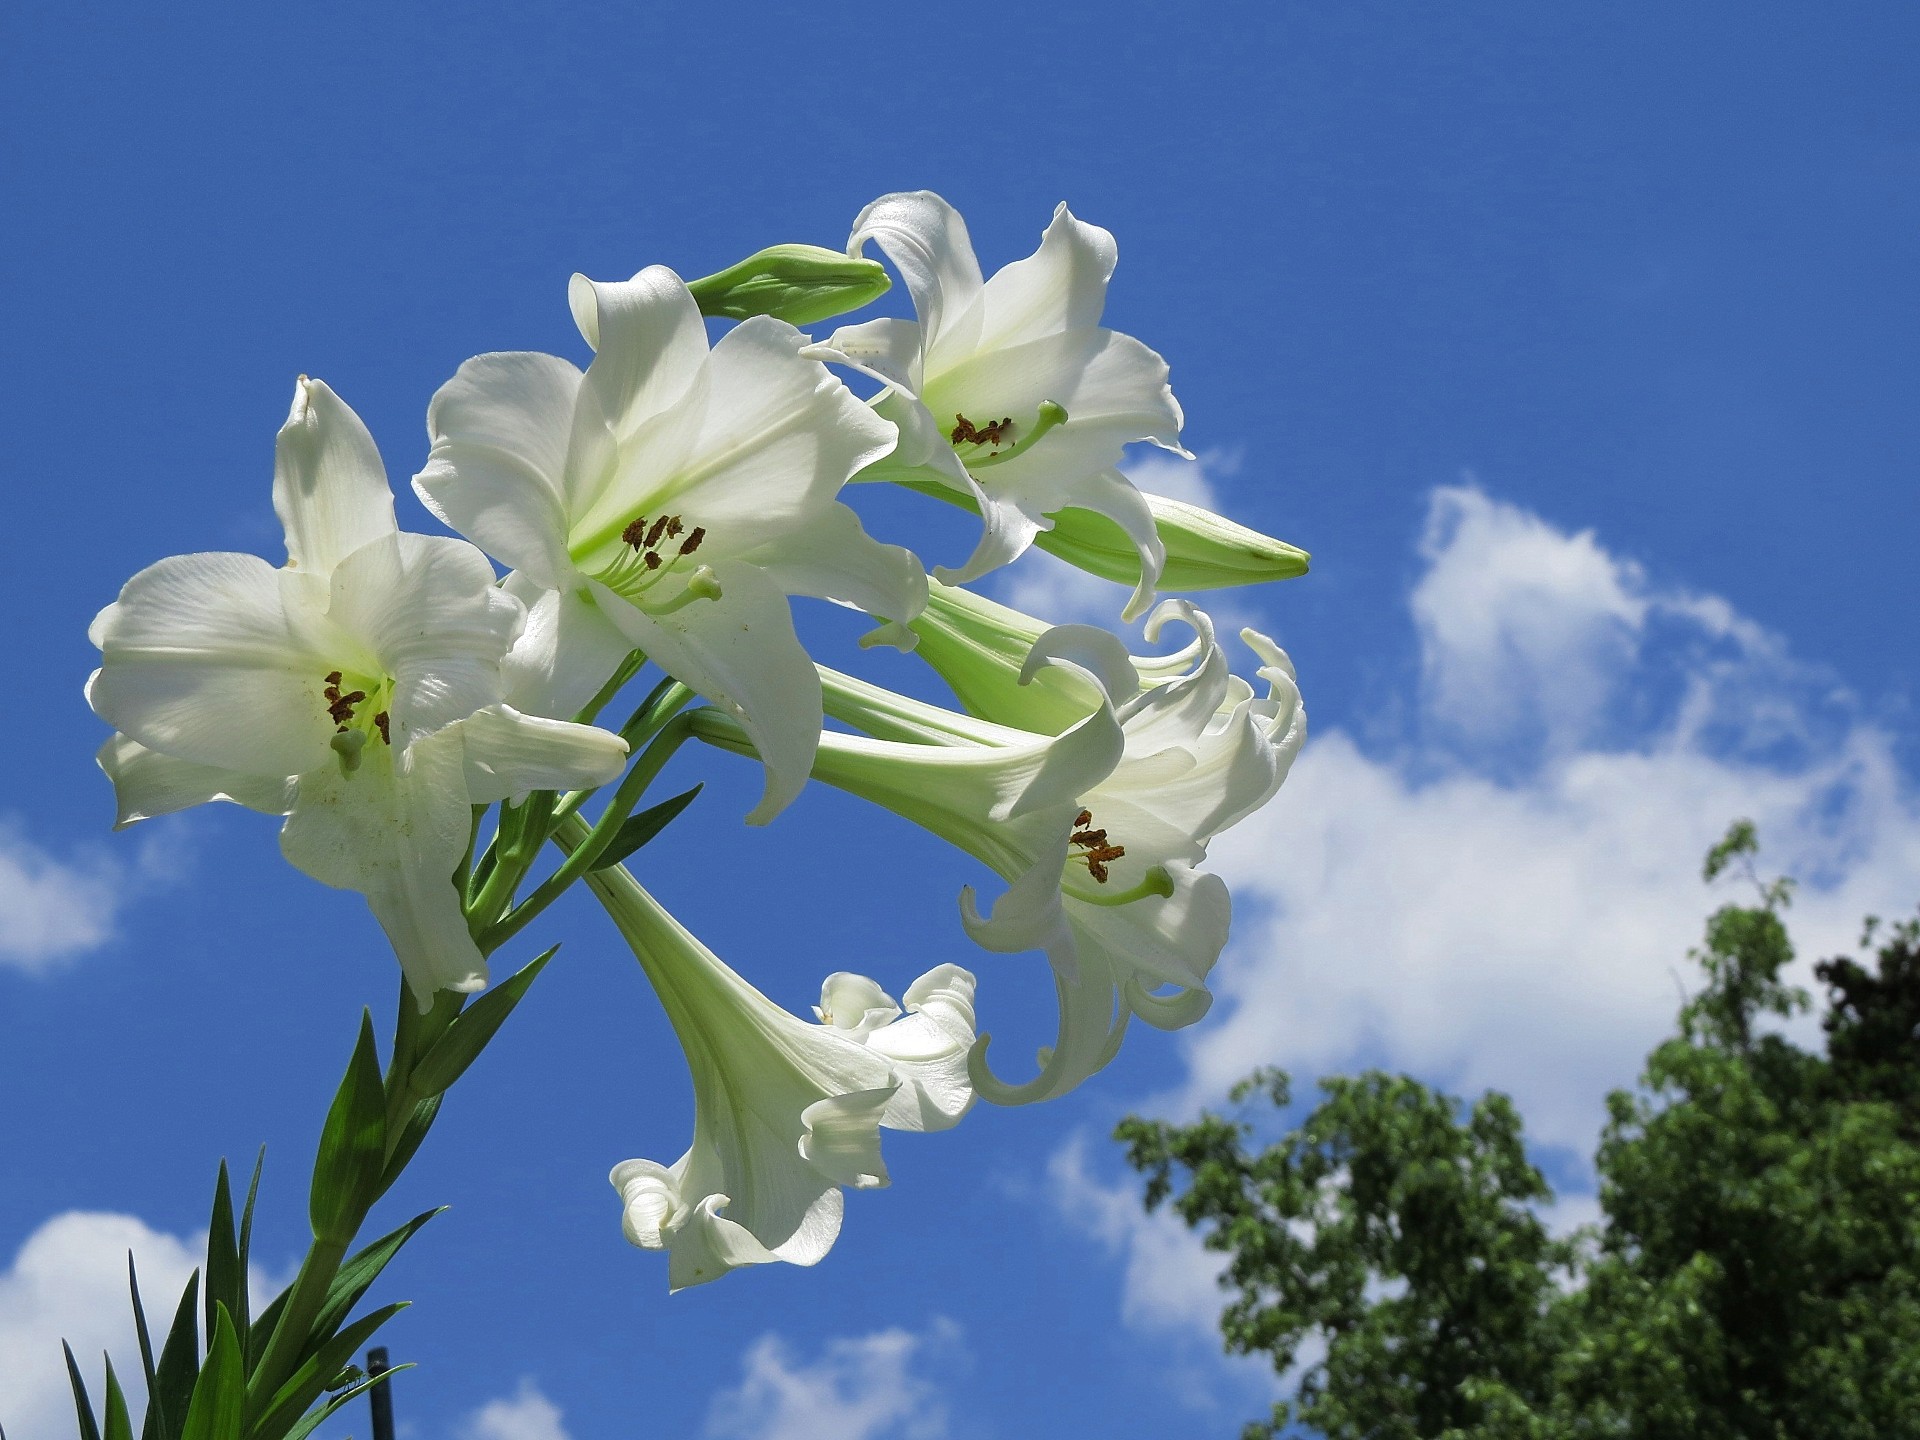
[[636, 533], [342, 707], [964, 433], [380, 724], [1097, 869], [1085, 817], [674, 527], [692, 542], [995, 432], [333, 677], [652, 557], [659, 528], [1089, 838]]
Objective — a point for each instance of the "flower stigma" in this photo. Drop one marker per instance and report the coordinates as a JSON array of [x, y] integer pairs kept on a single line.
[[358, 709]]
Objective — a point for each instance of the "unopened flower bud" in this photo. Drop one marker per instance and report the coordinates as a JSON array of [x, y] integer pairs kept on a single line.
[[1205, 551], [801, 284]]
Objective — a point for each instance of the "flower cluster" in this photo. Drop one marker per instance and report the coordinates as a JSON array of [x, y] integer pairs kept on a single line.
[[383, 690]]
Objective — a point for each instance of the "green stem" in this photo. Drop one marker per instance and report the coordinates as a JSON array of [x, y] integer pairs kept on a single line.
[[287, 1349], [673, 733]]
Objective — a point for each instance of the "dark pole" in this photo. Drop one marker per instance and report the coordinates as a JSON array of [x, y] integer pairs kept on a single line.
[[380, 1397]]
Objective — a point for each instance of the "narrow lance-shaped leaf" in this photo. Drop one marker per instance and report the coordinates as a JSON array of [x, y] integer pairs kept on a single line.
[[179, 1364], [463, 1041], [145, 1338], [641, 828], [359, 1272], [226, 1282], [281, 1414], [353, 1145], [412, 1131], [119, 1424], [83, 1406], [319, 1417], [218, 1408]]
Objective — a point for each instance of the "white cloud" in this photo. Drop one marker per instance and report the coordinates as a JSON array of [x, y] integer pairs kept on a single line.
[[69, 1281], [1503, 894], [52, 910], [1169, 1277], [1506, 900], [527, 1415], [864, 1388]]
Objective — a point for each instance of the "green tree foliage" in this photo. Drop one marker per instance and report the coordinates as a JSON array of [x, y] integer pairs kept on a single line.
[[1756, 1274]]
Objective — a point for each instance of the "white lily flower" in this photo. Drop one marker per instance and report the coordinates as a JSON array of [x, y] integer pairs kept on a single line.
[[671, 499], [1009, 389], [785, 1112], [1098, 829], [358, 691]]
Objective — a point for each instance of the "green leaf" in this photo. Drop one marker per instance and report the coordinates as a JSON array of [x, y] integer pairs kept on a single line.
[[140, 1327], [352, 1146], [226, 1277], [319, 1417], [353, 1278], [218, 1409], [412, 1132], [641, 828], [89, 1427], [246, 1231], [119, 1423], [468, 1035], [179, 1364], [307, 1383]]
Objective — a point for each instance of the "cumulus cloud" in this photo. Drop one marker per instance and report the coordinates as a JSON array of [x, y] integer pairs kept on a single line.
[[69, 1281], [864, 1388], [1506, 898], [526, 1415], [53, 909], [1503, 894], [1170, 1280]]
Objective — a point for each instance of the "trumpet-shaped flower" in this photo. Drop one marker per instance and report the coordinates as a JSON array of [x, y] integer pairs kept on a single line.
[[1098, 829], [358, 690], [671, 499], [1009, 390], [785, 1112]]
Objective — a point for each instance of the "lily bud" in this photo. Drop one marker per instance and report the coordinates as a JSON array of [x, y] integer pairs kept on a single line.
[[1205, 551], [801, 284]]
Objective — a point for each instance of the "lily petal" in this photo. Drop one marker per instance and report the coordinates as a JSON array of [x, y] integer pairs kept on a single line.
[[147, 783], [329, 487], [778, 438], [395, 829], [927, 241], [509, 755], [1061, 286], [650, 345], [833, 558], [429, 609], [567, 651], [219, 659], [740, 652], [500, 430]]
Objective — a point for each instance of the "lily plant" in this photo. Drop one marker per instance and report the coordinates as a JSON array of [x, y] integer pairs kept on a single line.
[[424, 715]]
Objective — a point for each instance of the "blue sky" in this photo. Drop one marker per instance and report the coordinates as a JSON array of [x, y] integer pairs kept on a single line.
[[1578, 344]]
